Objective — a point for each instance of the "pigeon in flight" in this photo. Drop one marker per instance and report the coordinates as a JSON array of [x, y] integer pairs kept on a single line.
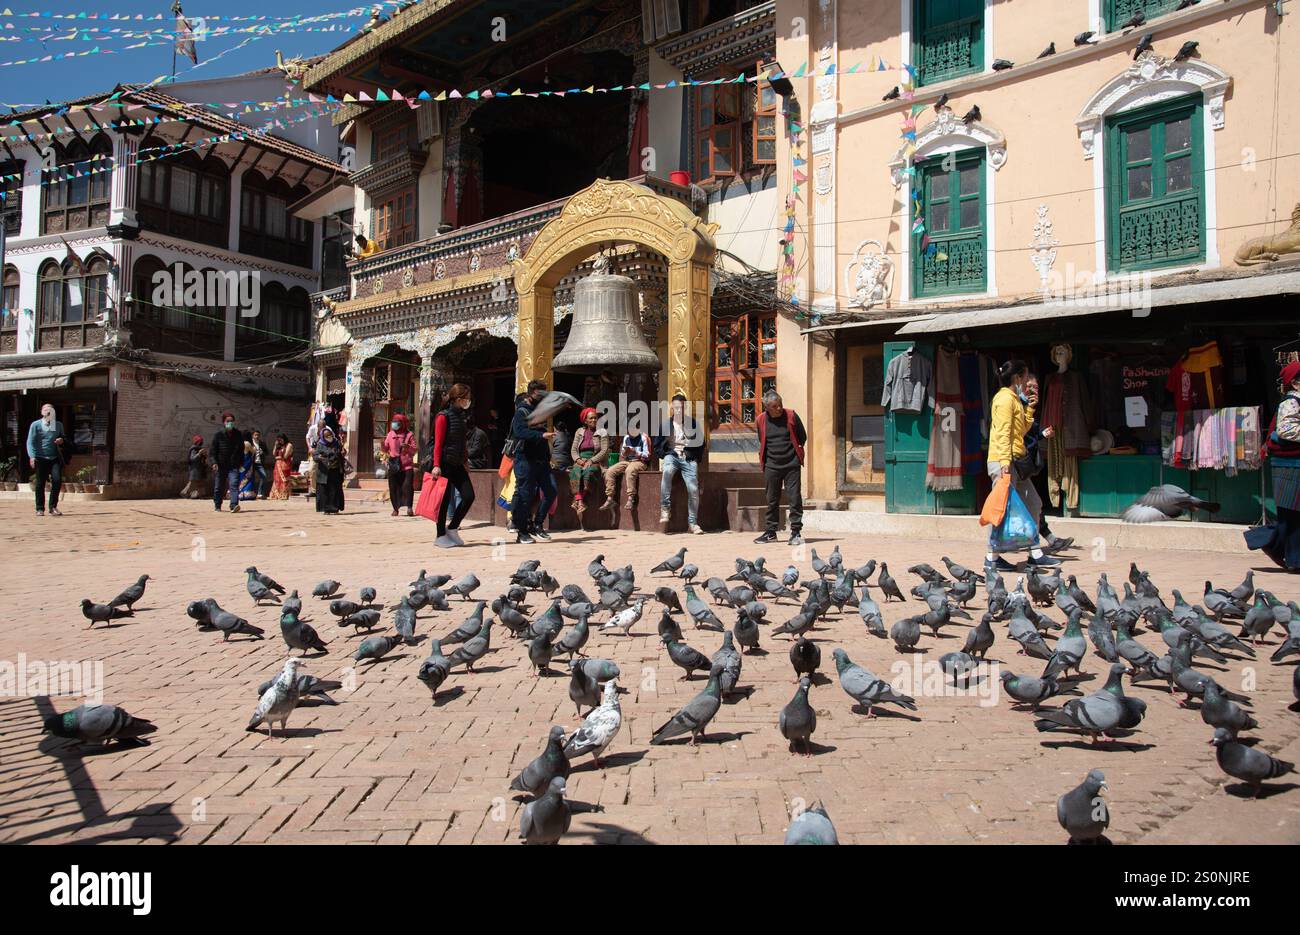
[[550, 405], [1165, 501]]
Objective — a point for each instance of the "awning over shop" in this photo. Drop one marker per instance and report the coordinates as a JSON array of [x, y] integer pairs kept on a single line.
[[40, 378]]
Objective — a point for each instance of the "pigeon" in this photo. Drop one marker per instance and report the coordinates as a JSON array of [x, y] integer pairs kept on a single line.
[[1084, 38], [278, 701], [1219, 604], [540, 650], [1082, 811], [820, 565], [928, 572], [1026, 689], [906, 633], [1049, 51], [1070, 649], [1165, 502], [326, 588], [469, 629], [96, 722], [375, 648], [1134, 653], [888, 586], [1214, 634], [547, 765], [864, 687], [342, 608], [730, 661], [97, 613], [1001, 64], [669, 627], [1249, 765], [1102, 640], [545, 819], [367, 595], [797, 719], [671, 564], [1217, 711], [959, 572], [941, 102], [869, 611], [404, 619], [267, 581], [979, 638], [515, 621], [805, 657], [790, 577], [584, 689], [1186, 51], [427, 582], [550, 405], [130, 594], [300, 636], [199, 612], [1290, 646], [892, 94], [688, 572], [229, 624], [598, 729], [417, 599], [745, 630], [464, 587], [959, 665], [1095, 714], [1081, 599], [668, 597], [695, 716], [1191, 681], [571, 643], [1243, 592], [366, 619], [1026, 634], [596, 567], [435, 668], [705, 619], [686, 657], [292, 604], [797, 625], [474, 648], [625, 620], [811, 826], [1144, 44], [307, 685], [1134, 21]]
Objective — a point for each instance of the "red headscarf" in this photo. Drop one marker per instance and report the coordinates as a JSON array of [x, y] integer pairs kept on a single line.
[[589, 411], [400, 417], [1290, 373]]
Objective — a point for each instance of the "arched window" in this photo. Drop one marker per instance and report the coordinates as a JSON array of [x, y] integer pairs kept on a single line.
[[11, 196], [266, 228], [9, 313], [186, 196], [281, 325], [70, 301], [76, 191], [171, 310]]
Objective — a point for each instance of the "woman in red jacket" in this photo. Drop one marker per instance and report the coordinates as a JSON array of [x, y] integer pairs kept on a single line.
[[450, 428], [399, 445]]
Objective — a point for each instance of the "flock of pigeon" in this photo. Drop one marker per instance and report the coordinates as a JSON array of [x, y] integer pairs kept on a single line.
[[1108, 622]]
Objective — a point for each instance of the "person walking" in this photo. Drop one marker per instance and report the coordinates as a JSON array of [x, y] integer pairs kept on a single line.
[[781, 437], [1012, 415], [399, 445], [590, 454], [247, 473], [330, 468], [46, 450], [261, 474], [226, 457], [281, 468], [1283, 449], [634, 457], [197, 465], [447, 459], [532, 468], [680, 449]]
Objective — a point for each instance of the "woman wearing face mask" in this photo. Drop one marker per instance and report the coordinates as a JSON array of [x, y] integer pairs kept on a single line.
[[399, 445], [1011, 418], [450, 428], [328, 455], [281, 468], [45, 441], [1282, 444]]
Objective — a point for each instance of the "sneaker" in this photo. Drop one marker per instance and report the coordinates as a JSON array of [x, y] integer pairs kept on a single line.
[[523, 539], [217, 508], [1000, 565], [694, 530], [454, 536], [796, 539], [510, 526], [235, 508], [768, 536], [54, 511], [394, 513], [663, 516], [542, 535], [1044, 561], [445, 542], [42, 512]]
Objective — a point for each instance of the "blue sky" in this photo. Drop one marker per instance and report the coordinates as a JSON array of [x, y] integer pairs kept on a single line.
[[80, 75]]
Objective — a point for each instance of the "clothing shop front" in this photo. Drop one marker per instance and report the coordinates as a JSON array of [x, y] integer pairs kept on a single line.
[[1180, 394]]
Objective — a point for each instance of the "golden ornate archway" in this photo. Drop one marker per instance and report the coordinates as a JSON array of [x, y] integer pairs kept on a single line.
[[621, 212]]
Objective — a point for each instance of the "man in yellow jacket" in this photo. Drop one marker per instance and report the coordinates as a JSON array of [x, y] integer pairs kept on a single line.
[[1011, 418]]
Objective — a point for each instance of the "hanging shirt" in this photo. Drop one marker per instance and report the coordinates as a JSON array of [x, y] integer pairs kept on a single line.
[[1196, 381], [909, 383]]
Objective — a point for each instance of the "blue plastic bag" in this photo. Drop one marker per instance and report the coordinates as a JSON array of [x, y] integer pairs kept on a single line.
[[1017, 530]]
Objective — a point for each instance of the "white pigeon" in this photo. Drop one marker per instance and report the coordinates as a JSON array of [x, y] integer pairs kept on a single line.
[[279, 700], [626, 619], [599, 728]]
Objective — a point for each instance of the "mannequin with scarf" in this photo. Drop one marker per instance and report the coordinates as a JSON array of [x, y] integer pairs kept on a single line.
[[589, 450], [447, 459], [1066, 410], [330, 465], [399, 445], [46, 450]]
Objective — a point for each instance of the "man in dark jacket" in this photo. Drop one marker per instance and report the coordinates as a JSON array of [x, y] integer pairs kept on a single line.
[[781, 437], [680, 449], [226, 455], [532, 468]]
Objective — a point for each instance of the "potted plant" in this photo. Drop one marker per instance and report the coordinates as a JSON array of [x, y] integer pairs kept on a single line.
[[8, 467], [86, 479]]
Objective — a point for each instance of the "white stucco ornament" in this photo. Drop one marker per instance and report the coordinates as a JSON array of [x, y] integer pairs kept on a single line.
[[948, 134], [869, 276], [1043, 247], [1150, 80]]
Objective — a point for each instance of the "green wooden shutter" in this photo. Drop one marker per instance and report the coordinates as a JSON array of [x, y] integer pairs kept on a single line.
[[1155, 187], [947, 38], [953, 203], [1121, 11]]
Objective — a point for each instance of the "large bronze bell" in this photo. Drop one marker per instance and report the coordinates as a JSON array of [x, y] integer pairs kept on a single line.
[[605, 332]]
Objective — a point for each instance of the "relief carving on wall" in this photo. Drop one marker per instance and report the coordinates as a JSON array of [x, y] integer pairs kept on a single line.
[[873, 281]]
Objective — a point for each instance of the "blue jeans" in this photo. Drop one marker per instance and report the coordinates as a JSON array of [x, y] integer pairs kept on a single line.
[[690, 477], [530, 478], [231, 481]]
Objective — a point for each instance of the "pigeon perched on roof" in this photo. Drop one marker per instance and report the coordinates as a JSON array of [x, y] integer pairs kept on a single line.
[[1144, 44], [279, 700], [811, 826], [130, 594], [96, 722], [1248, 764], [1165, 501], [864, 687], [598, 729], [545, 819], [1049, 51], [1082, 811], [695, 715]]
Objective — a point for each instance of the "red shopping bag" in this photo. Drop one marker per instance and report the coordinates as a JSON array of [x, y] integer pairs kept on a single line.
[[431, 492], [995, 507], [507, 465]]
